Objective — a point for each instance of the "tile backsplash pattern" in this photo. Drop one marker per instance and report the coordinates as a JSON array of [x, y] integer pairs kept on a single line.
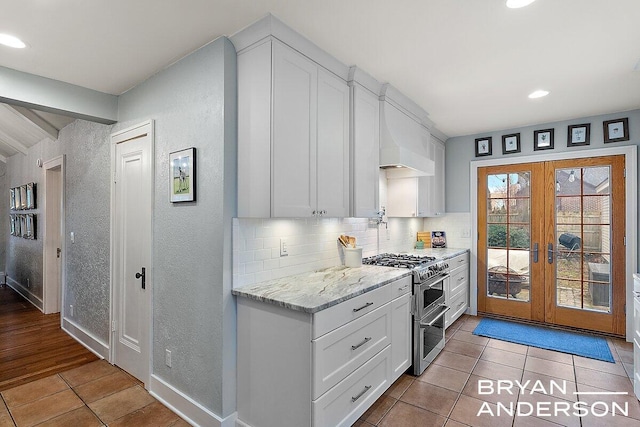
[[311, 244], [456, 225]]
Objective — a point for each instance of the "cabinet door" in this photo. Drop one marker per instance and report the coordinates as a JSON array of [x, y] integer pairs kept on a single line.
[[402, 194], [438, 179], [294, 138], [400, 335], [333, 145], [365, 163]]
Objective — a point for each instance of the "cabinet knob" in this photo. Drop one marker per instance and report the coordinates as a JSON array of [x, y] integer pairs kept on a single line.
[[314, 213]]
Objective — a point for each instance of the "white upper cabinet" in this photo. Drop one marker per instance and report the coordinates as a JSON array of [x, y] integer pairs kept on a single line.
[[293, 130], [365, 145], [419, 196], [333, 145], [431, 188]]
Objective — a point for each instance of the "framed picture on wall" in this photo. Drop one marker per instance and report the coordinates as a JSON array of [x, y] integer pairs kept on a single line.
[[616, 130], [16, 198], [12, 199], [511, 143], [578, 134], [483, 146], [23, 197], [31, 195], [182, 175], [543, 139]]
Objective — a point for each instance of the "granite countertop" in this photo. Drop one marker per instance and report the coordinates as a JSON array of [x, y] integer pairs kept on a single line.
[[318, 290], [439, 253]]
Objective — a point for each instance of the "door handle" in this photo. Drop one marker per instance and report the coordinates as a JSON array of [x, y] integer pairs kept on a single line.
[[550, 253], [143, 276], [535, 252], [58, 252]]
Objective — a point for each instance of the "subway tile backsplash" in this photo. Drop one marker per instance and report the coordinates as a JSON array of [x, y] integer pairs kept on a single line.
[[456, 225], [312, 243]]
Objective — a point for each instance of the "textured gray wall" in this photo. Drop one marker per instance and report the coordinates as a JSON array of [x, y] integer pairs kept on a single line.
[[24, 257], [461, 150], [193, 104], [87, 204], [87, 196]]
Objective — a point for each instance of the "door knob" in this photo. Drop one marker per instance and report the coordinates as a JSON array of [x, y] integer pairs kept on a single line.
[[142, 275]]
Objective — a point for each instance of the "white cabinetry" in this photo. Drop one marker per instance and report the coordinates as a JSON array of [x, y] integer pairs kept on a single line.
[[419, 196], [322, 369], [365, 145], [457, 288], [431, 188], [293, 135]]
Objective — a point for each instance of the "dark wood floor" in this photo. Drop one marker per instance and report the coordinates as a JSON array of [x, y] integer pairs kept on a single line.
[[32, 345]]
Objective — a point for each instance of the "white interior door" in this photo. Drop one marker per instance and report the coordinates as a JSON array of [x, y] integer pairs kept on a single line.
[[132, 214], [53, 209]]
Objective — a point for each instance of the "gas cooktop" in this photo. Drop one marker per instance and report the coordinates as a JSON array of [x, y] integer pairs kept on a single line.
[[398, 260]]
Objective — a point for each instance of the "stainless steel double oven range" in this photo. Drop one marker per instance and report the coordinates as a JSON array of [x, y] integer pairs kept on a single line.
[[428, 303]]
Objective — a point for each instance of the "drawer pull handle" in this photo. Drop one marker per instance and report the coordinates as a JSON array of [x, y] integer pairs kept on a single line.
[[461, 279], [363, 307], [402, 288], [366, 389], [366, 340], [461, 303]]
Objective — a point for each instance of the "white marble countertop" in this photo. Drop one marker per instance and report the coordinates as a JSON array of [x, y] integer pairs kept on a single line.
[[318, 290], [439, 253]]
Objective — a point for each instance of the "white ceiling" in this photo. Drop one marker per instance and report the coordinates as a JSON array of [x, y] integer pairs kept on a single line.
[[469, 63]]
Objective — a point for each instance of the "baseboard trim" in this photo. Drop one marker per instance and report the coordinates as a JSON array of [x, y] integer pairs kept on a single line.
[[185, 406], [19, 288], [86, 338]]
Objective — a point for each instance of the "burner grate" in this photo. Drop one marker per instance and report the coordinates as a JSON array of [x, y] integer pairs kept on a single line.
[[398, 260]]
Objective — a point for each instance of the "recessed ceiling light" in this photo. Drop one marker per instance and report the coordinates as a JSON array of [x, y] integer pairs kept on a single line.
[[12, 41], [538, 94], [516, 4]]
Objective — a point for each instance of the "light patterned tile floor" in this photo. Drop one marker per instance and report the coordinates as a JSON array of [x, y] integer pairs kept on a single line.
[[448, 393], [95, 394]]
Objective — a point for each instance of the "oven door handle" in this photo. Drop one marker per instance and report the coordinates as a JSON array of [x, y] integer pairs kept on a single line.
[[427, 325]]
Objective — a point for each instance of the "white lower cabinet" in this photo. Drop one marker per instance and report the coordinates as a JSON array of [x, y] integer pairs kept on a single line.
[[457, 292], [346, 402], [401, 334], [323, 369]]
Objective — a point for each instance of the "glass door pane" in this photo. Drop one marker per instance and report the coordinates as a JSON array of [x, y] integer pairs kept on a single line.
[[583, 238], [508, 225]]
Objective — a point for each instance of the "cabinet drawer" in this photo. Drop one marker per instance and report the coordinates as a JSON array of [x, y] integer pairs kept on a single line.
[[347, 401], [458, 304], [458, 281], [401, 287], [458, 261], [340, 352], [333, 317]]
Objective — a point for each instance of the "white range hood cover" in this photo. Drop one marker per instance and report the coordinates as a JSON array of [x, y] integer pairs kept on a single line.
[[403, 139]]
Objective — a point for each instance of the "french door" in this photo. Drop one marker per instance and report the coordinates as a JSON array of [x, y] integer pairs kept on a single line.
[[551, 242]]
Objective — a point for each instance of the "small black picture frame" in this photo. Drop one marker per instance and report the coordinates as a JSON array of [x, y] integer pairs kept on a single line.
[[579, 135], [543, 139], [511, 143], [483, 146], [182, 175], [616, 130]]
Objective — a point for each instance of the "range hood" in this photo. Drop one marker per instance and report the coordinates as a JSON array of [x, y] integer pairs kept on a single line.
[[404, 140]]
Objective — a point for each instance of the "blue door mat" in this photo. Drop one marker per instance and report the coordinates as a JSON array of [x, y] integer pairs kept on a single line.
[[551, 339]]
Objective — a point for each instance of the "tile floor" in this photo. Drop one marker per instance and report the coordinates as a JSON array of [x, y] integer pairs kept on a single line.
[[447, 393], [95, 394]]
